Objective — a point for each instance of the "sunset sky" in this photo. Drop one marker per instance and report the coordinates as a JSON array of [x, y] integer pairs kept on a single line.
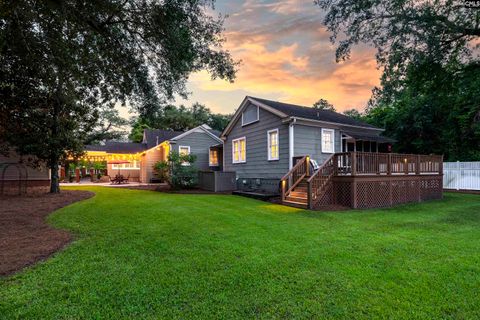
[[287, 56]]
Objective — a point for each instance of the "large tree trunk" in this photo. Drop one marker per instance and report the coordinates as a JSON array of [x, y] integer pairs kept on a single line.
[[54, 159], [54, 181]]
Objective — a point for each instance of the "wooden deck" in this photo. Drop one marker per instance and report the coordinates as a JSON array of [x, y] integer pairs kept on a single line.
[[364, 180]]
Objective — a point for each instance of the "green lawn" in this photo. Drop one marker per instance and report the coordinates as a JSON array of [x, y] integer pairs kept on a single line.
[[142, 254]]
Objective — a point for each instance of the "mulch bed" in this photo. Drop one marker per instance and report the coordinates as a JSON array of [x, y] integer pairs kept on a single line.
[[25, 238]]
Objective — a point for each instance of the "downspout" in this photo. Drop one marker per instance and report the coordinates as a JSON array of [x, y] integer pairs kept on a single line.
[[291, 144]]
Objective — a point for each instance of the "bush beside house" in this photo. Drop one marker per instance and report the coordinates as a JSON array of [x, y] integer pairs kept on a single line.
[[178, 171]]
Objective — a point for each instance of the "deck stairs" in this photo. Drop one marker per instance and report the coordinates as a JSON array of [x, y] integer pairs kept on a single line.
[[298, 196], [303, 187]]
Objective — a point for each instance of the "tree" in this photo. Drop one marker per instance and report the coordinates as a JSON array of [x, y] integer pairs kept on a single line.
[[353, 113], [109, 126], [138, 126], [63, 61], [401, 30], [181, 118], [427, 99], [438, 111], [219, 121], [323, 104]]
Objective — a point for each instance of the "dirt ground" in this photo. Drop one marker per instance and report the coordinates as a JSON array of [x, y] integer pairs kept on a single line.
[[24, 236]]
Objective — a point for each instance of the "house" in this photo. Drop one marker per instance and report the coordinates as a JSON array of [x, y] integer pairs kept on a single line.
[[19, 175], [264, 138], [202, 141], [318, 157]]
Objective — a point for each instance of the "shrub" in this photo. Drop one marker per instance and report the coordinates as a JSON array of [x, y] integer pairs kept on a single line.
[[179, 171], [161, 170]]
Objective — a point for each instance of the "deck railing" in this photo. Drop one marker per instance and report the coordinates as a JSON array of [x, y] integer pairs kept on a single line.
[[319, 181], [299, 171], [366, 163]]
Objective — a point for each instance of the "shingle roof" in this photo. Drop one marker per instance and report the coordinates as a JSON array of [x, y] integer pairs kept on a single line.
[[215, 132], [367, 136], [117, 147], [152, 134], [313, 114]]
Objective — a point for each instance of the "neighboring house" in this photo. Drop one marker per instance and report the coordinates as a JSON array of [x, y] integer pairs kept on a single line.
[[19, 175], [201, 141], [264, 137]]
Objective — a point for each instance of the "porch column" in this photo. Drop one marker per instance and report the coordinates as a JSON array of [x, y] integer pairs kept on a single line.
[[290, 145]]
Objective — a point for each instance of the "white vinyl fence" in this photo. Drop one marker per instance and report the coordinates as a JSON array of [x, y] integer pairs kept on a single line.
[[461, 175]]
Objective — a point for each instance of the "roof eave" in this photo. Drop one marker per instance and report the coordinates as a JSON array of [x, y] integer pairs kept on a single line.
[[242, 106], [332, 123], [202, 127]]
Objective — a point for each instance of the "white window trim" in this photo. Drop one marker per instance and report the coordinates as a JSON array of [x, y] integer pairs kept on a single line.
[[181, 147], [269, 144], [258, 117], [233, 150], [122, 166], [210, 164], [333, 140], [188, 148]]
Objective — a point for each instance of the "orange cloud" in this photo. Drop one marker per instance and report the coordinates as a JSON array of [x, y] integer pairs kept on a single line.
[[286, 55], [286, 73]]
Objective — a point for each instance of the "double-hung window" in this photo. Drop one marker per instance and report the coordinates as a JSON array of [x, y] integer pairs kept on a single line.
[[239, 150], [184, 151], [213, 158], [328, 140], [272, 136]]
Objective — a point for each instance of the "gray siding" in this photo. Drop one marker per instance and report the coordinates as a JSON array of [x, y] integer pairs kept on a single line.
[[199, 143], [308, 141], [257, 164]]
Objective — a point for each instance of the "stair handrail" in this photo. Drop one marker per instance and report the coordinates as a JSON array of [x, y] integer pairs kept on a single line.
[[290, 173], [320, 168], [329, 162]]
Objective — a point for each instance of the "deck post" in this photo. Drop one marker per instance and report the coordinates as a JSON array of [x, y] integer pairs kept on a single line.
[[335, 164], [389, 164], [307, 166], [354, 163], [417, 165], [309, 196]]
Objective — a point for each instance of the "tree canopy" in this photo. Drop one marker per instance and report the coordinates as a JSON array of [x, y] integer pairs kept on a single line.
[[63, 62], [438, 111], [181, 118], [429, 97], [323, 104], [403, 29]]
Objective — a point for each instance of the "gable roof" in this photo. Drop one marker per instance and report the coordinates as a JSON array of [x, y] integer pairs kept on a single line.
[[310, 113], [117, 147], [150, 136], [286, 111], [203, 128]]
